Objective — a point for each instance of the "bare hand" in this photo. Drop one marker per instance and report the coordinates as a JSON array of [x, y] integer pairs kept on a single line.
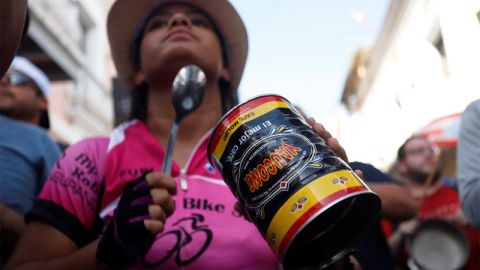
[[408, 227], [329, 139], [331, 142]]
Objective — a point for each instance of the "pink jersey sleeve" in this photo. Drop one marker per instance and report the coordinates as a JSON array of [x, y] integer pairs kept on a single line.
[[71, 195]]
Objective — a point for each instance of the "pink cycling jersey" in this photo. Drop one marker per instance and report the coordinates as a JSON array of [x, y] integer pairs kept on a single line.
[[88, 180]]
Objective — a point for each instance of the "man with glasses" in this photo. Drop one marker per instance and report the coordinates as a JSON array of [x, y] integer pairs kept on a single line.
[[24, 93], [26, 151], [417, 163]]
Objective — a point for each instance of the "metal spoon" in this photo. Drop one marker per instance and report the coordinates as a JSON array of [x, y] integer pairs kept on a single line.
[[187, 94]]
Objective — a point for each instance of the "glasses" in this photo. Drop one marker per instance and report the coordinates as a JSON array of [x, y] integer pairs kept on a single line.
[[17, 78], [422, 150]]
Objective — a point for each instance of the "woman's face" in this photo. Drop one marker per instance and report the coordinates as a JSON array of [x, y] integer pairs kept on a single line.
[[178, 35]]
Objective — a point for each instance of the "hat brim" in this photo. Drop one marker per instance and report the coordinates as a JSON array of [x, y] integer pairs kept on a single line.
[[12, 22], [125, 15]]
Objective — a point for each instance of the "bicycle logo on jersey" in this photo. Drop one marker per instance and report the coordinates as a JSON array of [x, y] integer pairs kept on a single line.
[[186, 232]]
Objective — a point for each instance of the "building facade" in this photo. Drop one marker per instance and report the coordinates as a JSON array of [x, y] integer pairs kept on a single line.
[[423, 66], [67, 39]]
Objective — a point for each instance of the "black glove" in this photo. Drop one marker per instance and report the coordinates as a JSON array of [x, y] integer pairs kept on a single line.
[[125, 240]]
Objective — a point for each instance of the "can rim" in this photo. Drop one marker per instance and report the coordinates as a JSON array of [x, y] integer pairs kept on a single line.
[[228, 113], [365, 195]]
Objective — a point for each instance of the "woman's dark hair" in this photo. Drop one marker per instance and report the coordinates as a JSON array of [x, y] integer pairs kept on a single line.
[[139, 102], [228, 97]]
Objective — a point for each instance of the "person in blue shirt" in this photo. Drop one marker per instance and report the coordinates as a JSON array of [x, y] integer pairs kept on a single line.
[[26, 150]]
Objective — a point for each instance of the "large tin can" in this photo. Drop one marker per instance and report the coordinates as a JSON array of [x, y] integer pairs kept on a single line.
[[306, 201]]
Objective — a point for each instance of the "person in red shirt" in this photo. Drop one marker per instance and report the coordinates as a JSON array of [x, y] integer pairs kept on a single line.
[[417, 163]]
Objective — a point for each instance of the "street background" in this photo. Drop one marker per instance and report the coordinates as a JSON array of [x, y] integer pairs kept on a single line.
[[374, 72]]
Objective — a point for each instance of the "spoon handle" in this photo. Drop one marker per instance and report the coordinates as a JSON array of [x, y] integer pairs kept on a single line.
[[167, 162]]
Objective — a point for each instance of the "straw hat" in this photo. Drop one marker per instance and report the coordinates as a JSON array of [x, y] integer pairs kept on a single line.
[[125, 16], [25, 66]]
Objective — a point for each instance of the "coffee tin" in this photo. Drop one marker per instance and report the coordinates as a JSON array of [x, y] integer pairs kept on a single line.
[[305, 200]]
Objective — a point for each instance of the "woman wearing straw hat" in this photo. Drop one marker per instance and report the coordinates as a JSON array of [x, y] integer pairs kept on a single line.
[[106, 204]]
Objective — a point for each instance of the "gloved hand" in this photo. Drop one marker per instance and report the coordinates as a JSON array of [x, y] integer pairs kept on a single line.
[[126, 238]]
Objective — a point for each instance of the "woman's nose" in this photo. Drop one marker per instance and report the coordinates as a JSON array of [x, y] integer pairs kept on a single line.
[[179, 19]]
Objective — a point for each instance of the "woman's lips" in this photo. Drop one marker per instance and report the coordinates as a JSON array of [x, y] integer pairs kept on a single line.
[[179, 35]]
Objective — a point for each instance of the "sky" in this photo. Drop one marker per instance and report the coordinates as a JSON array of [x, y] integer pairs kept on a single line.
[[302, 49]]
